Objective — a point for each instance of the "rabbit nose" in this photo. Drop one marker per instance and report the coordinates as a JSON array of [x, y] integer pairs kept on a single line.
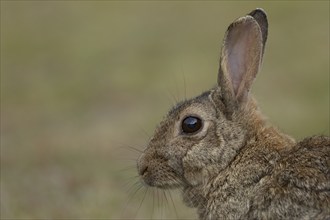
[[142, 169], [142, 165]]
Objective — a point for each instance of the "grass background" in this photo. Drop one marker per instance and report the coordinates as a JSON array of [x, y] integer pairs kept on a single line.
[[82, 80]]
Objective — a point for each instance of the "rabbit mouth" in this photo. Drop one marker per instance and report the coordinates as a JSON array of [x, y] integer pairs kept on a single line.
[[165, 182], [160, 178]]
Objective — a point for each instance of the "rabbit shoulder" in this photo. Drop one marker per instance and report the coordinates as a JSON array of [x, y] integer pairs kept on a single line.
[[299, 185]]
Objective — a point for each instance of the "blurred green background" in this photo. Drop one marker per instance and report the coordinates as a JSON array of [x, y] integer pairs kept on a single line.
[[83, 80]]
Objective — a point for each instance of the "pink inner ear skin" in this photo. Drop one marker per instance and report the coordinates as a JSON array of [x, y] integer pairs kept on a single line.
[[236, 62], [240, 46]]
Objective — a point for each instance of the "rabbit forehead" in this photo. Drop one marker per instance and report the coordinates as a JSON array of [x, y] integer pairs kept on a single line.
[[203, 110], [199, 106]]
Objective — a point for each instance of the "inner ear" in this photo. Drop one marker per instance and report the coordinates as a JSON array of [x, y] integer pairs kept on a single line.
[[240, 58], [242, 53]]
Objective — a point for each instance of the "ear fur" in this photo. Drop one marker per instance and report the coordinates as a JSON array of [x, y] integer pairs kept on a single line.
[[260, 16], [241, 57]]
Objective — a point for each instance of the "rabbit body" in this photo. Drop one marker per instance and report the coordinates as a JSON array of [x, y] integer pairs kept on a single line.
[[228, 161], [269, 184]]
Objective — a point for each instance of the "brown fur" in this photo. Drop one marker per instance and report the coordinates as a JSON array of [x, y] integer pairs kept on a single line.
[[237, 166]]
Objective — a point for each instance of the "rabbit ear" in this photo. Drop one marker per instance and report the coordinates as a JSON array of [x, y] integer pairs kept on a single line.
[[260, 16], [241, 57]]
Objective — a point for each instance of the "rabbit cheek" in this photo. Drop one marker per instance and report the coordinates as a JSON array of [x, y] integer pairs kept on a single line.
[[196, 166], [194, 177]]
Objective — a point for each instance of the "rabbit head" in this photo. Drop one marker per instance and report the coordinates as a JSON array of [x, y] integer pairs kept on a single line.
[[229, 162], [201, 136]]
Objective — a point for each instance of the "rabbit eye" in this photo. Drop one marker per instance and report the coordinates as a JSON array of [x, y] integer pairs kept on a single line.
[[191, 124]]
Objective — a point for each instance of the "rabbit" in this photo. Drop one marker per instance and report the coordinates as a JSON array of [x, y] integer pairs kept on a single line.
[[228, 161]]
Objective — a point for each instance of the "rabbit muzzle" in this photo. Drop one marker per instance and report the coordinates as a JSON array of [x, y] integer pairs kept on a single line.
[[155, 172]]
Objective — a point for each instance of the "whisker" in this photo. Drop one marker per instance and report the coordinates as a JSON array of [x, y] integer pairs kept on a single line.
[[127, 168], [137, 187], [185, 87], [177, 87], [133, 148], [145, 193], [121, 145], [173, 100], [145, 133], [166, 205], [129, 179], [158, 202], [124, 159], [176, 213], [161, 205], [153, 202]]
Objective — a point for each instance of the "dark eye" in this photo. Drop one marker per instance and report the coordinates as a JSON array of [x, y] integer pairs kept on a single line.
[[191, 124]]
